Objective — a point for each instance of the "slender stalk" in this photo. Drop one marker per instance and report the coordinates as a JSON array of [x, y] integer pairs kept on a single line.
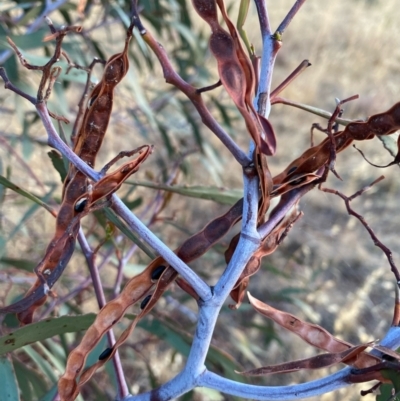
[[271, 46], [172, 77], [310, 109], [377, 242], [290, 15], [123, 390]]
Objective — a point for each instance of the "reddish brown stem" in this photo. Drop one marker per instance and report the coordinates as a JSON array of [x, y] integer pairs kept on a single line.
[[377, 242]]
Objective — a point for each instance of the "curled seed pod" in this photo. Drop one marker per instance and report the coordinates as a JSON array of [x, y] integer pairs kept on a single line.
[[313, 158], [87, 145], [145, 301], [157, 273], [113, 181], [105, 354], [133, 291], [312, 333]]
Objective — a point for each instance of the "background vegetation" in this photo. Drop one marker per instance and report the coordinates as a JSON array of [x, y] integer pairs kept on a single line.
[[327, 271]]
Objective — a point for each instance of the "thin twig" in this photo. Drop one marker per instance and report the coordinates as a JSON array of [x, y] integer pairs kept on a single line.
[[123, 390], [84, 98], [292, 76], [210, 87], [13, 88], [310, 109], [375, 239], [173, 78], [290, 15], [50, 6], [330, 132]]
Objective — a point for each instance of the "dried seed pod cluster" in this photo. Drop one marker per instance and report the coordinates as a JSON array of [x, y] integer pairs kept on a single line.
[[238, 77], [157, 273], [76, 197]]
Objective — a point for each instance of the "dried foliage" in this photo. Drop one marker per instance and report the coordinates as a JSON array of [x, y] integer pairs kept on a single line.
[[247, 83]]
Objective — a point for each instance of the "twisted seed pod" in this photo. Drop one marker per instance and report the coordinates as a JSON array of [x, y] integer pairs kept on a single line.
[[314, 362], [234, 68], [267, 247], [312, 333], [312, 159], [113, 181], [237, 76], [137, 288], [88, 143]]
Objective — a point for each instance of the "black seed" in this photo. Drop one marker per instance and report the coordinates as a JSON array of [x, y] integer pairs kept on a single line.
[[80, 205], [388, 358], [91, 101], [294, 168], [156, 274], [298, 181], [105, 354], [145, 301]]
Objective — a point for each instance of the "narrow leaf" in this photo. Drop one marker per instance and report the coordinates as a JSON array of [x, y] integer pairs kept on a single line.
[[43, 365], [22, 264], [8, 184], [44, 329], [9, 387], [220, 195], [125, 230], [29, 381]]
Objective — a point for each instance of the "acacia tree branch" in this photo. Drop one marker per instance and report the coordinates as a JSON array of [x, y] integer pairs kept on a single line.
[[263, 18], [271, 46], [278, 393], [265, 393], [249, 241], [211, 299], [209, 309], [194, 370], [202, 289], [56, 142], [172, 77], [9, 85], [50, 6]]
